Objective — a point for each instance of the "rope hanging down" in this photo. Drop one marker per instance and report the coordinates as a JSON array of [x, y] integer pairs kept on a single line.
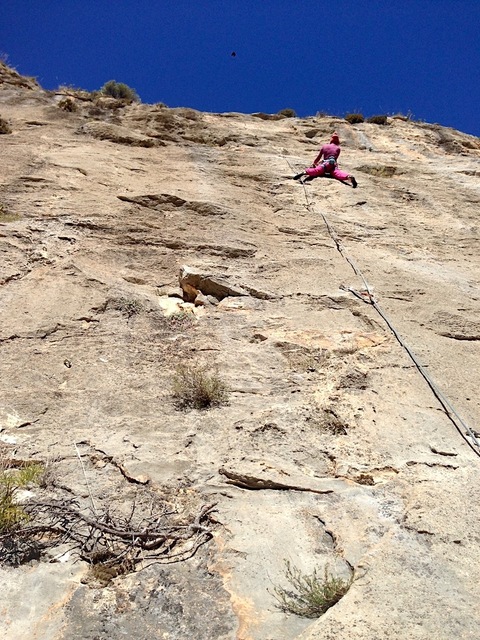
[[367, 296]]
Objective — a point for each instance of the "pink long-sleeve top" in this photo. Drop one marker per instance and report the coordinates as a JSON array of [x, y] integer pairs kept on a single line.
[[328, 151]]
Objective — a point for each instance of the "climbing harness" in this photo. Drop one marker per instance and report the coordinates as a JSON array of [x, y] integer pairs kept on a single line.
[[366, 295], [329, 164]]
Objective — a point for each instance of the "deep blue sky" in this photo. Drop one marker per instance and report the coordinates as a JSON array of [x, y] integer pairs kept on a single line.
[[375, 57]]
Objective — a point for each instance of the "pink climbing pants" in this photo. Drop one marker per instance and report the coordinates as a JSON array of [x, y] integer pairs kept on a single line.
[[315, 172]]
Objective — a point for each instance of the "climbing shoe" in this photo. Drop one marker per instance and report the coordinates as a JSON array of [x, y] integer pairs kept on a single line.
[[354, 182], [299, 175]]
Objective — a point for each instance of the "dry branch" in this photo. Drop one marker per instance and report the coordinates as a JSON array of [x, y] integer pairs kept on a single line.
[[107, 538]]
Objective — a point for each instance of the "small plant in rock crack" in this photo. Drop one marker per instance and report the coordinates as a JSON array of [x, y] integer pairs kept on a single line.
[[310, 596], [196, 386]]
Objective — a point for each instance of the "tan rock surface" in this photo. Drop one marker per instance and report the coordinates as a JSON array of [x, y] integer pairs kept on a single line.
[[332, 449]]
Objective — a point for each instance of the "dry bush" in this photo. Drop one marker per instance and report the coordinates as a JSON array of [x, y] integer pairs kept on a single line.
[[114, 540], [196, 386], [128, 306], [378, 120], [354, 118], [328, 421], [5, 126], [68, 104], [287, 113], [365, 479], [310, 596]]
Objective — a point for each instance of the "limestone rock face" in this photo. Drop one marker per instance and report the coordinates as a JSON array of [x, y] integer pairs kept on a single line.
[[331, 451]]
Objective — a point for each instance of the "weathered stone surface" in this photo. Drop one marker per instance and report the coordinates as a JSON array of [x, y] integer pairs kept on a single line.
[[334, 449], [179, 602], [116, 133]]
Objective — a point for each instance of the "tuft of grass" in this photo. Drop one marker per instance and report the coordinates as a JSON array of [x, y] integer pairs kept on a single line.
[[310, 596], [355, 118], [12, 514], [196, 386]]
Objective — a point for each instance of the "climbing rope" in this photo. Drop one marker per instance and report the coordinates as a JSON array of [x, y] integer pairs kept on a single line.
[[367, 296]]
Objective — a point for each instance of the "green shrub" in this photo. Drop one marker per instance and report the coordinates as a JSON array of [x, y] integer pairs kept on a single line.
[[120, 91], [4, 126], [197, 387], [288, 113], [310, 596], [378, 120], [354, 118]]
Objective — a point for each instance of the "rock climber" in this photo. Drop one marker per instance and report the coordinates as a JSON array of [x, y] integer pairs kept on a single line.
[[328, 166]]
